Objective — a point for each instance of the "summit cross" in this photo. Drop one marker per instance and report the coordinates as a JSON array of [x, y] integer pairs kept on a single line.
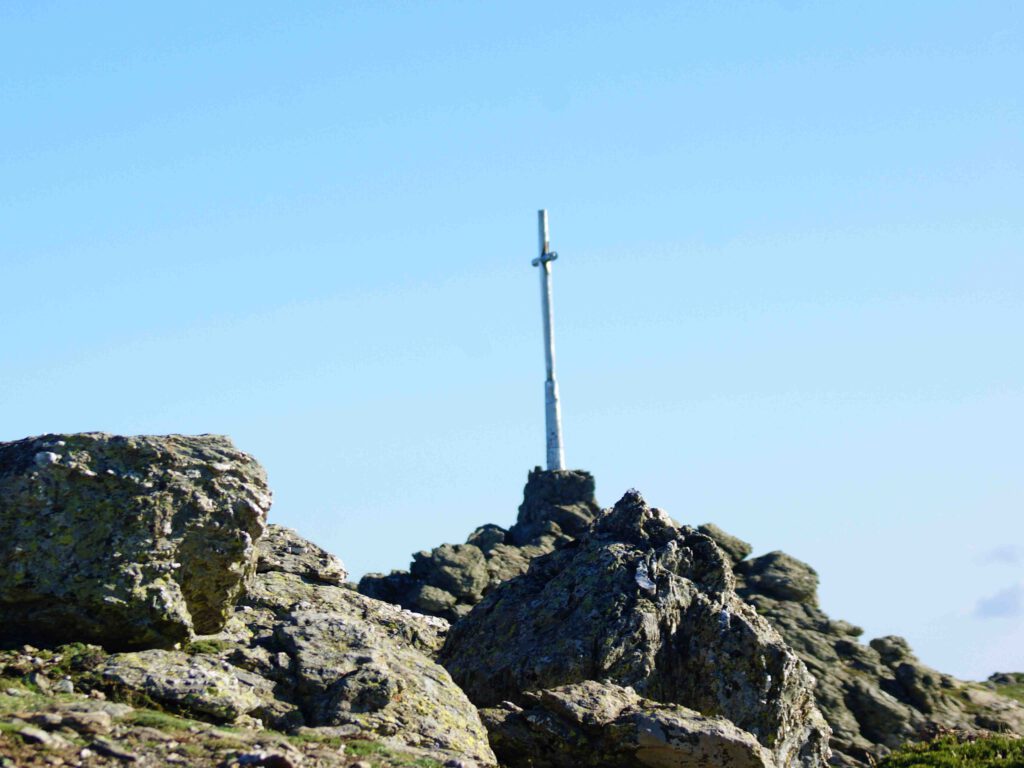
[[552, 411]]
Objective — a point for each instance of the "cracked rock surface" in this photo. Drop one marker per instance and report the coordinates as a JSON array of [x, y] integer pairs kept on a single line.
[[131, 542], [602, 725], [449, 580], [640, 601]]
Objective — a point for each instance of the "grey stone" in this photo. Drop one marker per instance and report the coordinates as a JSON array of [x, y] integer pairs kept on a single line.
[[578, 614], [188, 683], [780, 576], [282, 549], [449, 580], [131, 542], [601, 725], [735, 548]]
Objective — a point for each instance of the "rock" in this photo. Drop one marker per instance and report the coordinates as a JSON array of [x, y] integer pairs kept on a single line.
[[875, 697], [587, 612], [459, 569], [282, 549], [354, 661], [997, 679], [40, 681], [891, 649], [130, 542], [38, 736], [600, 725], [188, 683], [735, 548], [112, 749], [487, 537], [780, 576], [326, 660], [266, 759], [563, 497], [450, 579]]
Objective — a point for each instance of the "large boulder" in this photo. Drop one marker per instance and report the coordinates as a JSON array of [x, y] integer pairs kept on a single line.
[[639, 601], [450, 579], [602, 725], [131, 542]]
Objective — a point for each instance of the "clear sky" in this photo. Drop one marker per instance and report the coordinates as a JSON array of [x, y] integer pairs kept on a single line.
[[789, 298]]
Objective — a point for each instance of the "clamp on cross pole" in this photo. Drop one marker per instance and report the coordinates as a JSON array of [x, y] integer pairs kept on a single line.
[[544, 258]]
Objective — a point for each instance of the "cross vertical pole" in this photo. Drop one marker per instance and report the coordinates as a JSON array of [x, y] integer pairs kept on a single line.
[[552, 410]]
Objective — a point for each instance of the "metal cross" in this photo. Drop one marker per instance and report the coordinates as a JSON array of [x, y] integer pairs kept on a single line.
[[552, 412]]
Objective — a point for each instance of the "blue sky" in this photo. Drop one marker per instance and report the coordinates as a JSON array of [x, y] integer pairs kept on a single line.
[[789, 297]]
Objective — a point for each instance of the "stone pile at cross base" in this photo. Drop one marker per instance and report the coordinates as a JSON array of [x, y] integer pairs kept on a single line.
[[450, 579], [145, 574]]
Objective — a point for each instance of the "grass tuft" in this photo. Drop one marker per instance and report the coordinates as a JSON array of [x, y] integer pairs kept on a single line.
[[953, 752]]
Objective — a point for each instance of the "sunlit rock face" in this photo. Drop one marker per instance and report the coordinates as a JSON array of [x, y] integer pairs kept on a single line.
[[640, 601], [131, 542]]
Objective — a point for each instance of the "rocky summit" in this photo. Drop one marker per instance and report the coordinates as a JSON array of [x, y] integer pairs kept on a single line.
[[642, 602], [152, 617]]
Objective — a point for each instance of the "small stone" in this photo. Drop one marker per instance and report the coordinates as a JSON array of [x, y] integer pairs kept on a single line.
[[16, 692], [64, 686], [360, 764], [40, 681], [110, 749], [268, 759], [44, 458], [39, 736], [88, 722]]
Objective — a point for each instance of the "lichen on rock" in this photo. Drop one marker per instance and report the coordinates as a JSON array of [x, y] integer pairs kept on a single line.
[[132, 542], [639, 601], [450, 579]]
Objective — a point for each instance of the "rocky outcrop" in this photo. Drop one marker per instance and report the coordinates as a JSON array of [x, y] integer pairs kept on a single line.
[[302, 656], [876, 696], [301, 653], [71, 721], [602, 725], [639, 601], [450, 579], [132, 542]]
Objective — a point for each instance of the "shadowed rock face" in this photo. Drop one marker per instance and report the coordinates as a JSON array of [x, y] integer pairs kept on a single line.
[[601, 725], [131, 542], [639, 601], [876, 696], [450, 579]]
